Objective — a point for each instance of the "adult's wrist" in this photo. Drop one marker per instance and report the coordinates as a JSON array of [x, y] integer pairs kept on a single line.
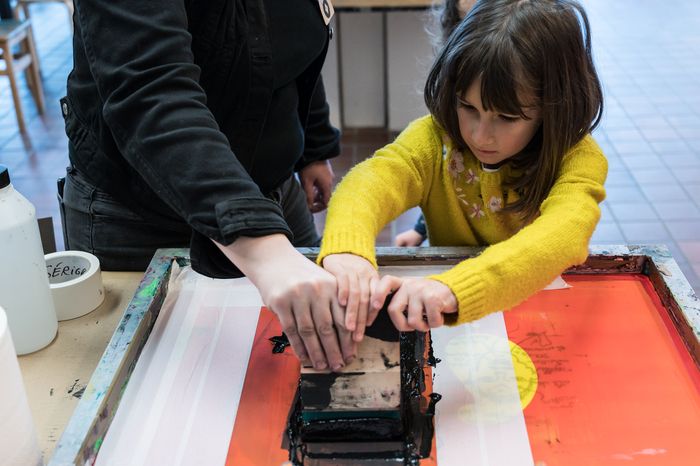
[[253, 254]]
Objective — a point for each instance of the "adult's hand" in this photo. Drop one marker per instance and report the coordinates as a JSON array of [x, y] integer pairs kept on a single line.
[[317, 180], [417, 304], [301, 294], [356, 280]]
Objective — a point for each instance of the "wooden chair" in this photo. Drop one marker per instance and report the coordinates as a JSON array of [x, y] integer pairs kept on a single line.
[[24, 5], [19, 32]]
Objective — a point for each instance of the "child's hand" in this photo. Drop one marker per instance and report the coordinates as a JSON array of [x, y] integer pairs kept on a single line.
[[356, 280], [408, 238], [415, 301]]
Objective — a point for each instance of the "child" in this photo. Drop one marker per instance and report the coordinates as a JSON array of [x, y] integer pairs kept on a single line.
[[504, 159]]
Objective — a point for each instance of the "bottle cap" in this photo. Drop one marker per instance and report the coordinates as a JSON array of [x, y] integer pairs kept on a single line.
[[4, 176]]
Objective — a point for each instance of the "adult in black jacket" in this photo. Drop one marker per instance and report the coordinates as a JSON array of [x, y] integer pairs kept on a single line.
[[5, 9], [186, 122]]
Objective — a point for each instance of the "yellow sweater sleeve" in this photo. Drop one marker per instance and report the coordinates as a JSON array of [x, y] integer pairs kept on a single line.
[[379, 189], [508, 272]]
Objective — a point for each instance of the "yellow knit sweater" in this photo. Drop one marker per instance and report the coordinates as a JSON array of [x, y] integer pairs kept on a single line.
[[462, 205]]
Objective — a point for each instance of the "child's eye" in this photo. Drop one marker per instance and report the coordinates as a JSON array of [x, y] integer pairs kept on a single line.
[[508, 118], [466, 106]]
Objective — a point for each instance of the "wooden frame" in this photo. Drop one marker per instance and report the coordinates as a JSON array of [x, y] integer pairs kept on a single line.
[[82, 438]]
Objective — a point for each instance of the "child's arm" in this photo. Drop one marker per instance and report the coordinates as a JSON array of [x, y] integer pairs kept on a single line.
[[508, 272], [373, 193]]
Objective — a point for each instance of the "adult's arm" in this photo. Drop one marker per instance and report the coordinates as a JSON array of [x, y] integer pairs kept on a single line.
[[139, 54], [301, 294]]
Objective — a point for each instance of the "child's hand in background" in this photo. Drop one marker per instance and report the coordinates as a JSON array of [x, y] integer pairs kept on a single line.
[[417, 304], [408, 238], [356, 278]]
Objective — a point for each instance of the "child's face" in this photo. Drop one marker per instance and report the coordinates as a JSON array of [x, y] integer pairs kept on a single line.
[[492, 136]]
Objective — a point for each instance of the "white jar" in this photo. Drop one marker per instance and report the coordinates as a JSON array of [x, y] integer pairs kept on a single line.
[[19, 445], [24, 285]]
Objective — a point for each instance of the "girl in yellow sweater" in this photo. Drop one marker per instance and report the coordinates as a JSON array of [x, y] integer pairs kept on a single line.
[[504, 159]]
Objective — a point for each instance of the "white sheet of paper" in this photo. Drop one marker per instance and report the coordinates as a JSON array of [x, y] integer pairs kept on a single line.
[[479, 416], [181, 402]]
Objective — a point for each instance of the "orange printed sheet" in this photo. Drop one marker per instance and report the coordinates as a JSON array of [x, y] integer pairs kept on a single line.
[[614, 381], [268, 392]]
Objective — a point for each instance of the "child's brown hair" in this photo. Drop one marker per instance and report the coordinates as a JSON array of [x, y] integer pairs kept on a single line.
[[539, 50]]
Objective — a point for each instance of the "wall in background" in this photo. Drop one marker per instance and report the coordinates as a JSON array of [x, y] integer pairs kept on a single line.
[[377, 92]]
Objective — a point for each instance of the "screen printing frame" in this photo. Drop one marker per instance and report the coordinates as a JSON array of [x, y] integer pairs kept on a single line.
[[85, 432]]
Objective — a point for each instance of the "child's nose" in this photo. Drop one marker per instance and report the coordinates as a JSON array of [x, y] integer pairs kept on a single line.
[[483, 133]]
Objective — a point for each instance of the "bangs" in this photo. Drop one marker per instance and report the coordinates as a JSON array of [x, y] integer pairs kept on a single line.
[[506, 86]]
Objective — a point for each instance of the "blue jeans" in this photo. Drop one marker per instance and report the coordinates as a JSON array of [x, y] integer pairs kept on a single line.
[[122, 239]]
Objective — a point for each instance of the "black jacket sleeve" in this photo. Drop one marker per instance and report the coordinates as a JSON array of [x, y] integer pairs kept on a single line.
[[321, 139], [139, 55]]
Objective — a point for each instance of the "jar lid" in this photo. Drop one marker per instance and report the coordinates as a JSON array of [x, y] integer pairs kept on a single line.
[[4, 176]]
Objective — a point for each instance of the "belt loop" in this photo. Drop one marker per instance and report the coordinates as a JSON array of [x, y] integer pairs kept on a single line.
[[60, 184]]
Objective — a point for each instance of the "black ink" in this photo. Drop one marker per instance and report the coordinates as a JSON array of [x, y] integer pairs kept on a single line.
[[280, 343], [432, 360], [383, 328], [344, 441], [387, 362], [79, 393], [72, 387]]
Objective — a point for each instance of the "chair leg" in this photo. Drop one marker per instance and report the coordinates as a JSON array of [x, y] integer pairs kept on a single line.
[[29, 77], [21, 6], [33, 69], [7, 54], [32, 84]]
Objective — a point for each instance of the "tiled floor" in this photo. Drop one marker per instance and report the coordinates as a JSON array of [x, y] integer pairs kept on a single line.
[[648, 55]]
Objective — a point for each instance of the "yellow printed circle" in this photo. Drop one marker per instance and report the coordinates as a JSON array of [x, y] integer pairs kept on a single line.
[[525, 373], [486, 364]]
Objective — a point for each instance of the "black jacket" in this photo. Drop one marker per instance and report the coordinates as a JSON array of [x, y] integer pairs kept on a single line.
[[167, 104]]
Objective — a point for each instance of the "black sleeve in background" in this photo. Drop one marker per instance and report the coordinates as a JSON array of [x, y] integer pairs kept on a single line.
[[139, 54], [321, 139], [5, 9], [420, 227]]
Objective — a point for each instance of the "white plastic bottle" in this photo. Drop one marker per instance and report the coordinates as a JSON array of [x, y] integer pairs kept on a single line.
[[24, 285]]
